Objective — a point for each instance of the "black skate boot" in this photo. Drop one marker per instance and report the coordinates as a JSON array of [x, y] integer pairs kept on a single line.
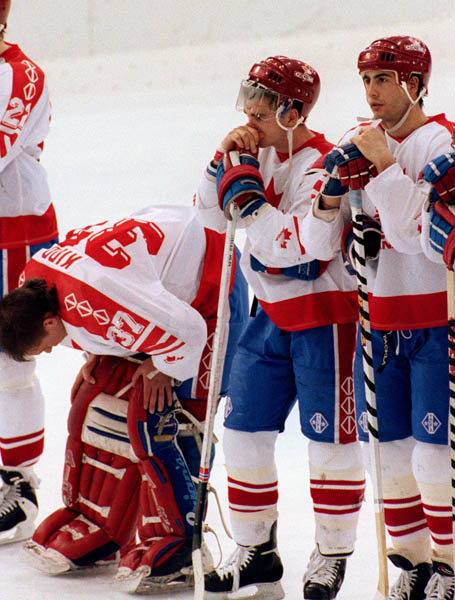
[[18, 507], [323, 576], [412, 581], [442, 583], [258, 566]]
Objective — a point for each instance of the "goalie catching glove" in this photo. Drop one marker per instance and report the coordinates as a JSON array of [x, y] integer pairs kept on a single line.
[[347, 169], [440, 172], [371, 239], [238, 180]]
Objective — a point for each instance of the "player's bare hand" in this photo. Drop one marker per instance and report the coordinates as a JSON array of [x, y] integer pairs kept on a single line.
[[243, 136], [372, 144], [156, 385], [85, 374]]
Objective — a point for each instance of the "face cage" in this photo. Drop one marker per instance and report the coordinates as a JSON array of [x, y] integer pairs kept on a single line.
[[262, 97]]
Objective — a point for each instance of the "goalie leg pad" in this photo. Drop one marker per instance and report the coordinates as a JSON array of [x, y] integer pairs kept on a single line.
[[101, 481], [167, 499], [154, 441]]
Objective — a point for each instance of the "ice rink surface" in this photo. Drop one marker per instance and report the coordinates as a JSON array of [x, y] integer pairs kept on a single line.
[[137, 128]]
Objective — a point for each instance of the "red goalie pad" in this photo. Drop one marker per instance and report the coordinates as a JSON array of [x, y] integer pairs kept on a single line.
[[101, 479]]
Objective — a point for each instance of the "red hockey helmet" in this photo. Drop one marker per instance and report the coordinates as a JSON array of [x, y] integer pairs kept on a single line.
[[5, 6], [284, 79], [402, 54]]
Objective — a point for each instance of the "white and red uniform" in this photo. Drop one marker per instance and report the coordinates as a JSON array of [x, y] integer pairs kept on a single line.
[[27, 223], [299, 347], [408, 312], [147, 283]]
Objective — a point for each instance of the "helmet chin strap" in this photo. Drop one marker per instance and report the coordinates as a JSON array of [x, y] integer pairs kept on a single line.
[[412, 103], [289, 134]]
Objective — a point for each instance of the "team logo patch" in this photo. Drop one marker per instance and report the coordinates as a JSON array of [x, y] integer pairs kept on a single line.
[[318, 422], [227, 407], [363, 421], [431, 423]]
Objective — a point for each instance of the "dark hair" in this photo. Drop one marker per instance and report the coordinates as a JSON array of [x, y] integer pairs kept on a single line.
[[22, 312]]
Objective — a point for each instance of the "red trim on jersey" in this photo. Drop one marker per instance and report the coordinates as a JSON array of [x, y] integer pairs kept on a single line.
[[28, 229], [318, 141], [313, 310], [408, 312]]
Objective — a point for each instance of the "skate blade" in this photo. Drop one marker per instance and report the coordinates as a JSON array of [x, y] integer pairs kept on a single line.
[[138, 581], [259, 591], [20, 533]]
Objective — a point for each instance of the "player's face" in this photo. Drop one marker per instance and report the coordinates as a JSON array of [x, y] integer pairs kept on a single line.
[[55, 333], [386, 97], [263, 118]]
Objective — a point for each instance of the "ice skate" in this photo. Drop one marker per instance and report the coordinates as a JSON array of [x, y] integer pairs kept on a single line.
[[174, 574], [412, 581], [248, 568], [18, 507], [442, 583], [323, 576]]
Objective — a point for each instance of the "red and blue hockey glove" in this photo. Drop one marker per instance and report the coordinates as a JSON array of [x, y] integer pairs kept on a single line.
[[440, 172], [238, 180], [371, 238], [442, 236], [347, 168]]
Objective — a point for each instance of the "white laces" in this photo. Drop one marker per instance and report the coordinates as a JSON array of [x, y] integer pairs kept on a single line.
[[440, 587], [403, 587], [239, 559], [321, 569], [9, 500]]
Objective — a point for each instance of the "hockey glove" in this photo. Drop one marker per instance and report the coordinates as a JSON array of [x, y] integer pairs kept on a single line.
[[440, 172], [238, 180], [347, 168], [442, 236], [371, 238]]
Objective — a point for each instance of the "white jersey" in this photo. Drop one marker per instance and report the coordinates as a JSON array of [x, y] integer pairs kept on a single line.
[[26, 213], [407, 290], [274, 239], [142, 284]]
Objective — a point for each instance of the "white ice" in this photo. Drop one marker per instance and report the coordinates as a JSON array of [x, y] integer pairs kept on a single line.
[[131, 129]]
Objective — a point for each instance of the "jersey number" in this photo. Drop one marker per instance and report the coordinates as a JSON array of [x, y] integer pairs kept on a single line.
[[107, 246]]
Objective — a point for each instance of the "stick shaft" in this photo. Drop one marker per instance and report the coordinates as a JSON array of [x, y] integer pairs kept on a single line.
[[216, 374], [355, 200]]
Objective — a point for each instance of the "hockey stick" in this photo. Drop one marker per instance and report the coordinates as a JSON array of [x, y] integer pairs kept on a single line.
[[451, 336], [355, 200], [216, 374]]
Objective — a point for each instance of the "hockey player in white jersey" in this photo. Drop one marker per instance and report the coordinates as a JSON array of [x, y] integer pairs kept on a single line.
[[140, 295], [27, 223], [297, 348], [408, 307]]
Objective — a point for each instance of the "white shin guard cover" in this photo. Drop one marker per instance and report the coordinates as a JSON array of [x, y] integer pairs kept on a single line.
[[404, 516], [337, 482], [21, 413], [252, 484], [431, 464]]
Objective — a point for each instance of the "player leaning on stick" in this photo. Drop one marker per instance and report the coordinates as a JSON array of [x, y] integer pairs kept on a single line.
[[407, 306], [27, 223], [297, 348], [141, 296]]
